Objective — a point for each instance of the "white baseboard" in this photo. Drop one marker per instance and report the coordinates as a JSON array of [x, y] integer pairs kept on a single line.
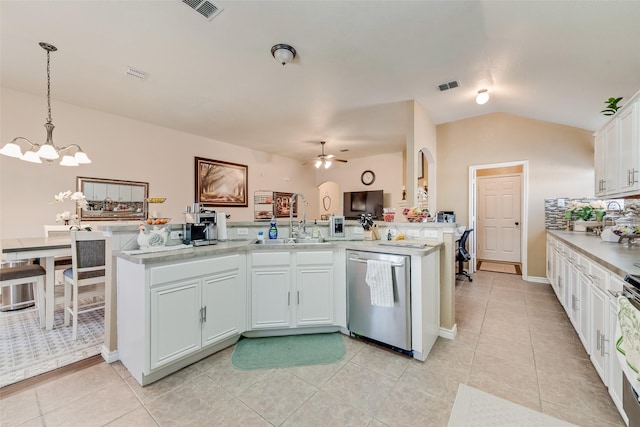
[[109, 356], [535, 279], [449, 334]]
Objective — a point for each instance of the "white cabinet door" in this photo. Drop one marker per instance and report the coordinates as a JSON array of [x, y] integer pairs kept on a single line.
[[124, 193], [628, 129], [223, 305], [314, 288], [600, 162], [99, 191], [582, 306], [175, 321], [612, 362], [113, 192], [563, 282], [550, 264], [137, 193], [314, 295], [270, 297], [88, 190], [573, 283], [599, 332], [612, 158]]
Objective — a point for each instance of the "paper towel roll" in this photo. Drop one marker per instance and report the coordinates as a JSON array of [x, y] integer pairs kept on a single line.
[[221, 219]]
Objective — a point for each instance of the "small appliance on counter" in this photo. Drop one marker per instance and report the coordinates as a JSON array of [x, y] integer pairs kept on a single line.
[[445, 216], [336, 226], [200, 228]]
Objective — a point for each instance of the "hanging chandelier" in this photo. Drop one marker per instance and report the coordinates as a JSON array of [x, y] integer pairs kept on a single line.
[[47, 151]]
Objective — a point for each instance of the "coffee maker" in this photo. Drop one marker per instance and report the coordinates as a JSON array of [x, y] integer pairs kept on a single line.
[[200, 227]]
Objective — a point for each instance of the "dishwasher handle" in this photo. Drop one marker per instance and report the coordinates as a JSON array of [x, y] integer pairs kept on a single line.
[[364, 261]]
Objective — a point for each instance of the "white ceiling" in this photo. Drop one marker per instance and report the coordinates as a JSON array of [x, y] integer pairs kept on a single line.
[[357, 64]]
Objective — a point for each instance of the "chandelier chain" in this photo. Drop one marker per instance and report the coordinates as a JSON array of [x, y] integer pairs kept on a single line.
[[48, 88]]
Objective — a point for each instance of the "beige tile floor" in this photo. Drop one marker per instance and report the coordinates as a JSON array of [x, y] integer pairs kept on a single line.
[[514, 341]]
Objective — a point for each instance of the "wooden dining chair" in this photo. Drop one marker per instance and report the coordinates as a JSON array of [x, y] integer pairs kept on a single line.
[[88, 276]]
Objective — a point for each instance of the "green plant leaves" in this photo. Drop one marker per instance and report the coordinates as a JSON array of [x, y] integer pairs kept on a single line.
[[612, 106]]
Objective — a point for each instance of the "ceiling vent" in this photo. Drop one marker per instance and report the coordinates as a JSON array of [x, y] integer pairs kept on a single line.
[[204, 8], [137, 74], [451, 85]]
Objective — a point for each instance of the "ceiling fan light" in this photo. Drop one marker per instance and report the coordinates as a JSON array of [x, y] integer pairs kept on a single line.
[[318, 163], [31, 156], [482, 97], [12, 149], [68, 160], [327, 164]]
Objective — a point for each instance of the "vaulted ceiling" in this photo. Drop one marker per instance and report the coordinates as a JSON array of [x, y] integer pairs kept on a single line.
[[358, 63]]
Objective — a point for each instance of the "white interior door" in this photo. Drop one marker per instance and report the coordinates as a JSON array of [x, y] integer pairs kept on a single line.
[[499, 218]]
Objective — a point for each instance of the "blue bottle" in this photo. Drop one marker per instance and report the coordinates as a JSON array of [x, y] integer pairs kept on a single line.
[[273, 230]]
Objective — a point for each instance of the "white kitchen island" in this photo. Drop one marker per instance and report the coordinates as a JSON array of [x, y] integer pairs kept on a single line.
[[177, 307]]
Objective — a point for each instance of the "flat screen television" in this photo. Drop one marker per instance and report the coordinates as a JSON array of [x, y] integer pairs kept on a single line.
[[357, 203]]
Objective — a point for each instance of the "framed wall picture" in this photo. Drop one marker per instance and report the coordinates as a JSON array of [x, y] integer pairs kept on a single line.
[[219, 183], [282, 207]]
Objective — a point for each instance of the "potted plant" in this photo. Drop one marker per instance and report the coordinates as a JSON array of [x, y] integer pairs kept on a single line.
[[612, 106]]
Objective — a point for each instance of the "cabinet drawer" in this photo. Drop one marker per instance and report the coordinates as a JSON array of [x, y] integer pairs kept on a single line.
[[266, 259], [171, 273], [583, 264], [600, 277], [315, 258]]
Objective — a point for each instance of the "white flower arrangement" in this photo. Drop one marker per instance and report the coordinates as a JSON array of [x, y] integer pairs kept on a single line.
[[79, 199]]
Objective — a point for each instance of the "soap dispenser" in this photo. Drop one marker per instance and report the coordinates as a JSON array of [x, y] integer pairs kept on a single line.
[[273, 230], [315, 231]]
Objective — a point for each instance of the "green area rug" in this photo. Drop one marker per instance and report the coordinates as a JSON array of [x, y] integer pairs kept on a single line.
[[291, 350]]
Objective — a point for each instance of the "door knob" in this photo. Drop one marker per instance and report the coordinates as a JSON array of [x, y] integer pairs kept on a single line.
[[517, 223]]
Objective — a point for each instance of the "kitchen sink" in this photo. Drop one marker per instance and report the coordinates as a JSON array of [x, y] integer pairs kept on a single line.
[[271, 242], [299, 241], [310, 241]]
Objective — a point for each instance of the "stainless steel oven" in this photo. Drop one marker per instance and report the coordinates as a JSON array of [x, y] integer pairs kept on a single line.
[[630, 403], [630, 398]]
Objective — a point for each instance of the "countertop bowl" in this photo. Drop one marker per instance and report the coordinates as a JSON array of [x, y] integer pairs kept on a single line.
[[157, 221]]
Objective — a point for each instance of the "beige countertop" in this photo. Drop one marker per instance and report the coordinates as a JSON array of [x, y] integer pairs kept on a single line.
[[617, 257], [247, 246]]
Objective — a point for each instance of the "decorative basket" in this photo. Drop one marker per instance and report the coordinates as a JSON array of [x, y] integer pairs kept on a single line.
[[413, 216], [389, 216]]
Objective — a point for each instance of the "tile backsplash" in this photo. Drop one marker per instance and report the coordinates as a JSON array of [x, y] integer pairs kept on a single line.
[[554, 210]]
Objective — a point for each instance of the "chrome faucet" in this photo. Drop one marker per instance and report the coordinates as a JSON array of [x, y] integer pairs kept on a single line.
[[304, 214], [614, 203]]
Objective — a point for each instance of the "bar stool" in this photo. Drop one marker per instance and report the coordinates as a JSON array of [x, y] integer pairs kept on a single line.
[[26, 274], [91, 272]]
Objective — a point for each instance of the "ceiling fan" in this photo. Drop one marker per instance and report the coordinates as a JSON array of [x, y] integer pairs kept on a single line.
[[326, 159]]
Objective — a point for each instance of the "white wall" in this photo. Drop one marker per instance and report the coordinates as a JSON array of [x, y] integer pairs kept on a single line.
[[425, 140], [560, 165], [386, 167], [124, 149]]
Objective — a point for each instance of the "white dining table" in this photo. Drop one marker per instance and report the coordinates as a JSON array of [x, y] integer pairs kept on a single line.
[[45, 248]]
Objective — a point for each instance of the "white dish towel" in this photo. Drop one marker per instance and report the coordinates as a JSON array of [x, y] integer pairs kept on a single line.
[[380, 282], [628, 341]]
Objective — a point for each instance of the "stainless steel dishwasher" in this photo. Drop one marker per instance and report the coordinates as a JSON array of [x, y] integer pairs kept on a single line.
[[388, 325]]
